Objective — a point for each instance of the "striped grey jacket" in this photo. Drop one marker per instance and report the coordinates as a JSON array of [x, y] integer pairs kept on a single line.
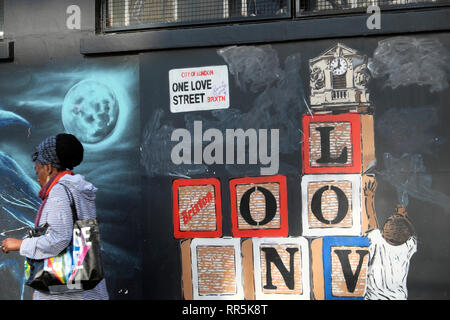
[[58, 214]]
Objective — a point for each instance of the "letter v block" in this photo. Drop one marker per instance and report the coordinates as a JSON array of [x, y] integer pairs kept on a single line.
[[212, 269], [334, 204], [338, 143], [259, 206], [280, 268], [339, 267], [197, 208]]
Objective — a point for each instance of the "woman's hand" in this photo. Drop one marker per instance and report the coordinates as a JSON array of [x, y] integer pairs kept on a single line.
[[11, 244]]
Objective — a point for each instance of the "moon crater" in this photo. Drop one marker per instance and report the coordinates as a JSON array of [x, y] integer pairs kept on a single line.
[[90, 111]]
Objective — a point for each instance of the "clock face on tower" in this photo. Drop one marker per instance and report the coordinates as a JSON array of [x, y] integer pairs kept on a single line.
[[338, 66]]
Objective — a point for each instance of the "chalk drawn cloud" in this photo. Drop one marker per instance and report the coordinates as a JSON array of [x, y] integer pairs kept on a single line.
[[410, 178], [405, 61], [254, 67]]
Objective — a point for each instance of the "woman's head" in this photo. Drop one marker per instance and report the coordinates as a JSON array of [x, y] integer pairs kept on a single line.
[[57, 153]]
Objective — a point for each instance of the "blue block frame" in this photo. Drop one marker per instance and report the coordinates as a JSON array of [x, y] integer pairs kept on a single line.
[[329, 242]]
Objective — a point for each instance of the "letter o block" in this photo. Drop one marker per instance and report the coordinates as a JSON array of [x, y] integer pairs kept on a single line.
[[259, 206], [197, 208], [334, 205]]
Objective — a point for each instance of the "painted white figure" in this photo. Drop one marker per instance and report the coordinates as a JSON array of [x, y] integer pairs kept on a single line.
[[390, 252]]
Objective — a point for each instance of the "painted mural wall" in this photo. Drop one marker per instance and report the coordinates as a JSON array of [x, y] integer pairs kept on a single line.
[[246, 172], [330, 189], [50, 88], [99, 104]]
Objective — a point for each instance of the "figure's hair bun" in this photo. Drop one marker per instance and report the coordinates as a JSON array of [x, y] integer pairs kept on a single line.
[[69, 150]]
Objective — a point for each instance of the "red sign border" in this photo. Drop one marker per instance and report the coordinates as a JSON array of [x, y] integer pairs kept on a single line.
[[355, 120], [218, 202], [283, 231]]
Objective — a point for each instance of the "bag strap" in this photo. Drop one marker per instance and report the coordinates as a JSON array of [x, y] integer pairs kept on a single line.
[[72, 202]]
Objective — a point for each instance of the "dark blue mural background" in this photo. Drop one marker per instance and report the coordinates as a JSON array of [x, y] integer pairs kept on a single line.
[[33, 104]]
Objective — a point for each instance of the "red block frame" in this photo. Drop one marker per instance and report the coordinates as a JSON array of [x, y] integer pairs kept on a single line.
[[218, 202], [283, 231], [355, 166]]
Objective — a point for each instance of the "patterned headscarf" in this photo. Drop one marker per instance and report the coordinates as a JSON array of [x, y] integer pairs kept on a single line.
[[46, 153]]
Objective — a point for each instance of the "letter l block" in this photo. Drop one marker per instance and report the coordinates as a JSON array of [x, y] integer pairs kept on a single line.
[[341, 143]]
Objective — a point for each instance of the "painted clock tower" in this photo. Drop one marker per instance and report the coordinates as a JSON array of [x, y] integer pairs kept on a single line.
[[338, 81]]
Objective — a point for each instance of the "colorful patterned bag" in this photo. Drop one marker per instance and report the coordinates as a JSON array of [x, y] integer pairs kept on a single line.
[[78, 267]]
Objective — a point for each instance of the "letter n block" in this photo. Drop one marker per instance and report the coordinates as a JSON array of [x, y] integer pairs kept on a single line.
[[197, 208], [339, 267], [338, 143], [280, 268], [333, 204], [259, 206], [212, 269]]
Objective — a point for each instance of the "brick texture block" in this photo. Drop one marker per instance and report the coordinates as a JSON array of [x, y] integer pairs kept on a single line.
[[212, 269], [259, 206], [339, 267], [335, 205], [281, 268], [197, 208], [338, 143]]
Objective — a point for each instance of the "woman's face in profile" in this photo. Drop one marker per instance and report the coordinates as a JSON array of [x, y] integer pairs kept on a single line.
[[41, 173]]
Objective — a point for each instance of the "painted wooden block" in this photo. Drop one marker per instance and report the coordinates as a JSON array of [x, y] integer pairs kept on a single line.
[[338, 143], [197, 208], [186, 269], [247, 269], [259, 206], [212, 269], [280, 268], [334, 204], [339, 267]]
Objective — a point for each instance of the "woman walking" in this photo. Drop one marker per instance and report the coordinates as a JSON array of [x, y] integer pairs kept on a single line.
[[55, 158]]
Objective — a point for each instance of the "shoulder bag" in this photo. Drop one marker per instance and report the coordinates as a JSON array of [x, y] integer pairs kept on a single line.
[[78, 267]]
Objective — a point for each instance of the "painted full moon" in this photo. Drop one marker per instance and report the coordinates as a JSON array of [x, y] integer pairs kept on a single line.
[[90, 111]]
